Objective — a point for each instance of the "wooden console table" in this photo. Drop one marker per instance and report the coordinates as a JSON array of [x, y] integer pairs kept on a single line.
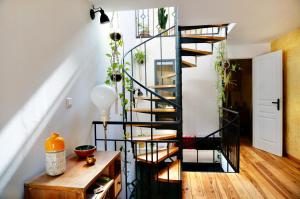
[[78, 178]]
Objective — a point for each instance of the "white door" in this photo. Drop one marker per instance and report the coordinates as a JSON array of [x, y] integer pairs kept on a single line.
[[267, 102]]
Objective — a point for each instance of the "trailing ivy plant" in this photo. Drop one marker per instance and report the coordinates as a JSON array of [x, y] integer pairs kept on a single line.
[[114, 72], [224, 71]]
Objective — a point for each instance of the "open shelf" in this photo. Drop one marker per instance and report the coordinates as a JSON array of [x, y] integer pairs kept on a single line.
[[106, 187]]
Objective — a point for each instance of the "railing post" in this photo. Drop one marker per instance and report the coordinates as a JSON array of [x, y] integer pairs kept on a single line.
[[179, 86]]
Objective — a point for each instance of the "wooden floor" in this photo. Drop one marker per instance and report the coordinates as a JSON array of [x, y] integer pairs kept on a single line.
[[262, 175]]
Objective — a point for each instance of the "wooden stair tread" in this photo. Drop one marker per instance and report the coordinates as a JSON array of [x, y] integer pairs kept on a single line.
[[169, 75], [185, 64], [188, 38], [154, 110], [142, 125], [159, 156], [202, 26], [155, 137], [155, 126], [154, 98], [174, 173], [194, 52], [163, 86]]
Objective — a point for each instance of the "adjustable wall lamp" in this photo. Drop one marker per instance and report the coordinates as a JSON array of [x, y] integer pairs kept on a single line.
[[103, 17]]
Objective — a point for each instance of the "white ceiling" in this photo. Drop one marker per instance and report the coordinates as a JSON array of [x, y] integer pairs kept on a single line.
[[257, 21]]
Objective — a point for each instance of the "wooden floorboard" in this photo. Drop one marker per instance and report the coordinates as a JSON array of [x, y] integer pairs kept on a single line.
[[262, 175]]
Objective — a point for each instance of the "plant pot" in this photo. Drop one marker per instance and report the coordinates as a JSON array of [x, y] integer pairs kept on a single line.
[[141, 62], [116, 77], [162, 30], [115, 36]]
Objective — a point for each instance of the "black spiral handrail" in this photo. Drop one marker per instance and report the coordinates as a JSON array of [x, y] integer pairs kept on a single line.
[[137, 82]]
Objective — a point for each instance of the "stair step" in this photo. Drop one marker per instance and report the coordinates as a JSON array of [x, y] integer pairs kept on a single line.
[[185, 64], [202, 26], [169, 75], [187, 38], [194, 52], [163, 86], [171, 173], [154, 110], [155, 137], [154, 98], [158, 156], [167, 126]]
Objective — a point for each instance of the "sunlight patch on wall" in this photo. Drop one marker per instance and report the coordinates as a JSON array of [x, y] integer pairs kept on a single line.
[[20, 133]]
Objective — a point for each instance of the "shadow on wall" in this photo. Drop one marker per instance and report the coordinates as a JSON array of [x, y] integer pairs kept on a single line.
[[20, 134]]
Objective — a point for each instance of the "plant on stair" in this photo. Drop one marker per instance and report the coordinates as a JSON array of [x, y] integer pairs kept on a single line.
[[224, 71], [162, 19]]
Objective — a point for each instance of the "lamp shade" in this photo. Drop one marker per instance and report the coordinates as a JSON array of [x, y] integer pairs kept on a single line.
[[103, 97], [103, 17]]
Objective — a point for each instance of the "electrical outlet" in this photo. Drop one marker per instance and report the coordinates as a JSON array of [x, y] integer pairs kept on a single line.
[[69, 102]]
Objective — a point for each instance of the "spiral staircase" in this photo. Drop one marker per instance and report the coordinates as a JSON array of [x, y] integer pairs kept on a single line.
[[153, 161]]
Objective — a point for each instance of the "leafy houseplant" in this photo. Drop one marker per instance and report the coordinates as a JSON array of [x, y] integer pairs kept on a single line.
[[162, 18], [224, 71], [139, 57], [114, 71]]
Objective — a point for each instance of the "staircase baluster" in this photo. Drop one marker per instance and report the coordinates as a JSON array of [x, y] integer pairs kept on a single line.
[[145, 64], [146, 151], [125, 166], [161, 57]]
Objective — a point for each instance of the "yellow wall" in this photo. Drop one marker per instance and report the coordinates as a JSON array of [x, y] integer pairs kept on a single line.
[[290, 44]]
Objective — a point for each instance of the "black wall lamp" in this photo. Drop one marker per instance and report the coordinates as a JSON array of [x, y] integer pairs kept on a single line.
[[103, 17]]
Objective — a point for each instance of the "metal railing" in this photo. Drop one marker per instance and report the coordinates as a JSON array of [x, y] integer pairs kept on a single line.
[[225, 140], [137, 186], [147, 22], [132, 149], [134, 83]]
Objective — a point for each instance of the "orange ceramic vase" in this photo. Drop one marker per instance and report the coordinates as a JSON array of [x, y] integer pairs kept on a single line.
[[55, 155]]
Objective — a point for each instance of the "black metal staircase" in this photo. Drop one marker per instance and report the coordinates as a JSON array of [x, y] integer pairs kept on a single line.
[[157, 158]]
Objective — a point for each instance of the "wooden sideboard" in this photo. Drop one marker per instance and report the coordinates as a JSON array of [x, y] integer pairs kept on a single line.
[[78, 178]]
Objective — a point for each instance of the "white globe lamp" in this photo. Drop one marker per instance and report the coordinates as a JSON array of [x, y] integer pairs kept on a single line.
[[103, 96]]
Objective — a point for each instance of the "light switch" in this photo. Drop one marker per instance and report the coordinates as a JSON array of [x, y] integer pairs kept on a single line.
[[69, 102]]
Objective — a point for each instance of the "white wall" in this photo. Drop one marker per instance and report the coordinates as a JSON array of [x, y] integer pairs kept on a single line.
[[247, 51], [49, 50]]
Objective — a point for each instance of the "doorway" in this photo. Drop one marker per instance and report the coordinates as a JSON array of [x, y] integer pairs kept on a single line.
[[240, 96]]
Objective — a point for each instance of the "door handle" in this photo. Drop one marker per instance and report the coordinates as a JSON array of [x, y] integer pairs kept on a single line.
[[278, 104]]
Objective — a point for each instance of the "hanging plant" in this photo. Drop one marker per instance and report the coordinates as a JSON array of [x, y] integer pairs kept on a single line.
[[115, 36], [114, 71], [139, 57], [224, 71], [115, 68]]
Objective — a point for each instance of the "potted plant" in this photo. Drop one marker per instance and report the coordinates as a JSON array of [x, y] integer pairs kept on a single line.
[[114, 70], [139, 57], [162, 19]]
